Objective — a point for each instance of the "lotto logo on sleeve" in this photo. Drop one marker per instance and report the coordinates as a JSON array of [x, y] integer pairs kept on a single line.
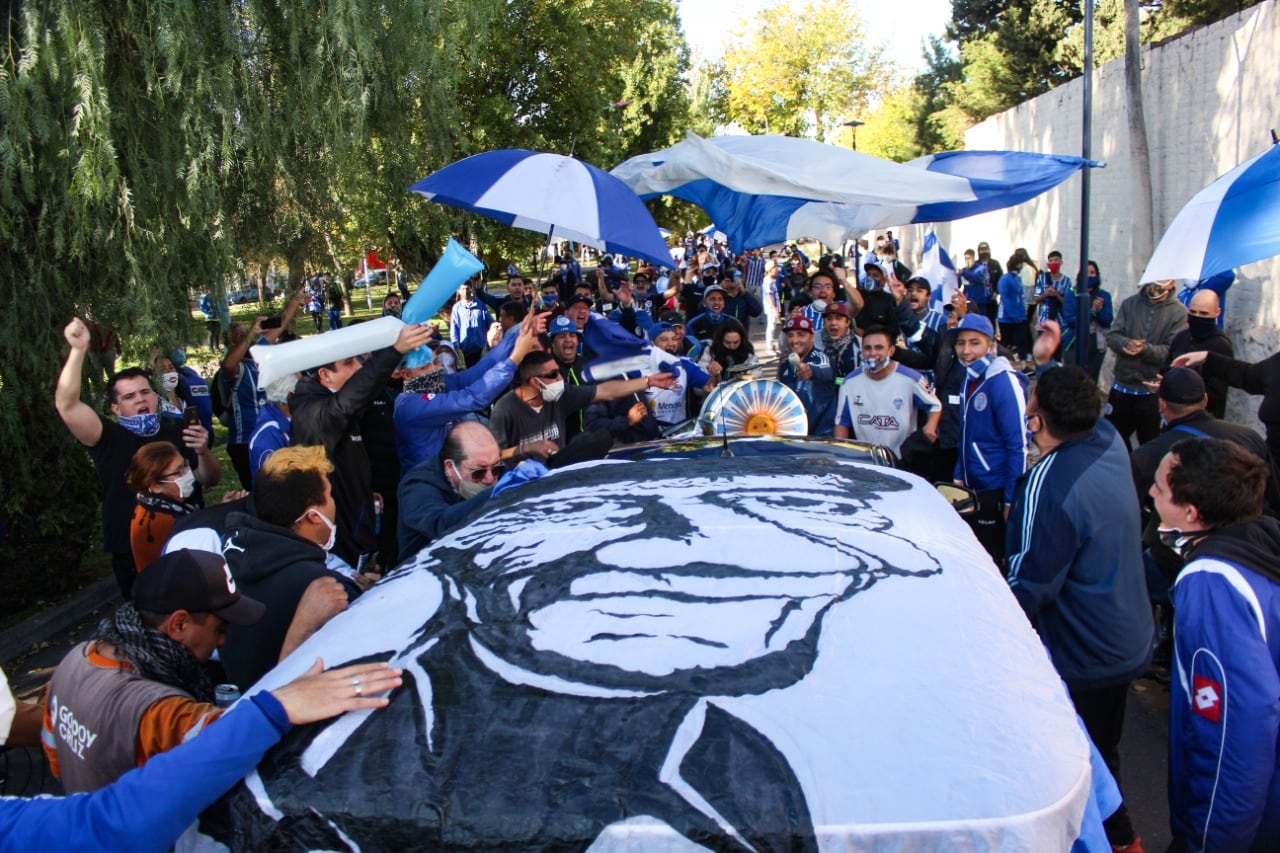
[[1206, 698]]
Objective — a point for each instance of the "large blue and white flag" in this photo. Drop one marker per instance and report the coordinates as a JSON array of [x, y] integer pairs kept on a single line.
[[762, 190], [941, 272], [1232, 222]]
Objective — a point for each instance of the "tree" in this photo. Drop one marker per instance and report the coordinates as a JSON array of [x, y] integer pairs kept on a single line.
[[801, 71], [889, 131], [150, 149]]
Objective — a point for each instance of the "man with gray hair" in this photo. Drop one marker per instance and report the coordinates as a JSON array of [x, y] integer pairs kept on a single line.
[[272, 432]]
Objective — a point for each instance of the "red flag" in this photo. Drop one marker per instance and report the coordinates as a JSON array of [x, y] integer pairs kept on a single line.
[[371, 261]]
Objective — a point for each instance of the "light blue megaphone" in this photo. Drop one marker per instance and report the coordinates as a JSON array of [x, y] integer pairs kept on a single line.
[[455, 266]]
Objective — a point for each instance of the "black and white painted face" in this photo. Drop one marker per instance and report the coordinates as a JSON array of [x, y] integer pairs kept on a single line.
[[674, 573]]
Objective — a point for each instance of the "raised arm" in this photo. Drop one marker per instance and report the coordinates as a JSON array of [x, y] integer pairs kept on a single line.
[[79, 417]]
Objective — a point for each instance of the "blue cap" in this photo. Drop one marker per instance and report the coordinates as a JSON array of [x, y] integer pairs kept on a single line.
[[562, 325], [975, 323]]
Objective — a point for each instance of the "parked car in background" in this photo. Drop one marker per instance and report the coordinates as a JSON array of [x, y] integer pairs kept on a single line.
[[371, 279]]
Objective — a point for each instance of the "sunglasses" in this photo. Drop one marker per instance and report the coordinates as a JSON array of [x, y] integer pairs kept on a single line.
[[555, 374], [480, 474]]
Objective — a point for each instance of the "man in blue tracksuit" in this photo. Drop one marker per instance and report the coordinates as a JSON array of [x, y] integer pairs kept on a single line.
[[1075, 561], [992, 452], [1224, 707], [808, 371]]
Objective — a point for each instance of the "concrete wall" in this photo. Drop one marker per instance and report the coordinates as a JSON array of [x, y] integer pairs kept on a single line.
[[1211, 98]]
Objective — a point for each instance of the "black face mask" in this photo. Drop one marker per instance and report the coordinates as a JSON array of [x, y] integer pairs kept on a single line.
[[1202, 327]]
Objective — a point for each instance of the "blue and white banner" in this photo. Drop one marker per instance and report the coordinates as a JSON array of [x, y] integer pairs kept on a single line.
[[937, 267], [761, 190], [1232, 222]]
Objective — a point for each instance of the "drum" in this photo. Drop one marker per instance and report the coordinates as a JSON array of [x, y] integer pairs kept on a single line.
[[753, 407]]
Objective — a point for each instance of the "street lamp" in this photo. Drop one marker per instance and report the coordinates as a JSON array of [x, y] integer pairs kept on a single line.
[[853, 126]]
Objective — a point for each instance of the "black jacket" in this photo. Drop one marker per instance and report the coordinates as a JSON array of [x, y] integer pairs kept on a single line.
[[275, 566], [321, 416]]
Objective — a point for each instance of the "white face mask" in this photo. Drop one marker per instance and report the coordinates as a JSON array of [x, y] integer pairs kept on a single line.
[[186, 484], [333, 527], [466, 487], [819, 305], [552, 391], [446, 361], [169, 380]]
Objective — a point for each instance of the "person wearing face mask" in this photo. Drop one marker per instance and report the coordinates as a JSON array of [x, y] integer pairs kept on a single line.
[[1075, 561], [529, 422], [1101, 316], [442, 492], [111, 444], [992, 450], [879, 403], [1224, 778], [277, 553], [1203, 334], [162, 482], [433, 399], [1049, 296], [1144, 327]]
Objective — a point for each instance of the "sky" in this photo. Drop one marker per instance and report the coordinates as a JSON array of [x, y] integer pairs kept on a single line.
[[904, 23]]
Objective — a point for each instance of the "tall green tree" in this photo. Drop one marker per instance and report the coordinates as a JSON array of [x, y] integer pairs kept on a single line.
[[801, 70], [150, 149]]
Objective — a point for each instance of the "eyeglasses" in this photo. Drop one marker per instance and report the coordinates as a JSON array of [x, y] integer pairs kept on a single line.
[[482, 473]]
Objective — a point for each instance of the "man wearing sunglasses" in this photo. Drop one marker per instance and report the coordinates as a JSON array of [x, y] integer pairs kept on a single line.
[[530, 422], [444, 491]]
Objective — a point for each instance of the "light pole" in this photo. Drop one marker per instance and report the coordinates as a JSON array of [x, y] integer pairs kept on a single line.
[[853, 125], [1083, 299]]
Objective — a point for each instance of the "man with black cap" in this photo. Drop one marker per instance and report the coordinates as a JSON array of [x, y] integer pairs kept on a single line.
[[1183, 408], [139, 686], [994, 271]]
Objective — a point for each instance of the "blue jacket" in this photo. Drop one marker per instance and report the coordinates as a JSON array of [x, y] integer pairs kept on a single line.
[[977, 284], [271, 434], [1013, 307], [818, 394], [198, 390], [1224, 707], [469, 324], [148, 808], [423, 420], [430, 507], [993, 450], [1074, 546]]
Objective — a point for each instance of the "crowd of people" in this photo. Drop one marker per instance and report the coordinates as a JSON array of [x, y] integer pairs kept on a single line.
[[358, 463]]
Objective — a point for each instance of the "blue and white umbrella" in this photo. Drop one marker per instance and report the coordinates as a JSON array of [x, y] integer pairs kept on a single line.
[[762, 190], [1232, 222], [558, 196]]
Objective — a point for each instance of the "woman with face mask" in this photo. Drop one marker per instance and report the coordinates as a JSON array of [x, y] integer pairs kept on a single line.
[[162, 482]]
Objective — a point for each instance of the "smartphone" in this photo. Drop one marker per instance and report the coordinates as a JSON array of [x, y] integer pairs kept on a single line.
[[273, 323], [191, 416]]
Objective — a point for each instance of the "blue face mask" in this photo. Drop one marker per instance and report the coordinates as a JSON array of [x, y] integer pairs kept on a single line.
[[1093, 282], [715, 316], [145, 425], [979, 367]]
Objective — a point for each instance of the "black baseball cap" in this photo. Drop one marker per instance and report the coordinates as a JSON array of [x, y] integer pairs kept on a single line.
[[1182, 386], [197, 582]]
